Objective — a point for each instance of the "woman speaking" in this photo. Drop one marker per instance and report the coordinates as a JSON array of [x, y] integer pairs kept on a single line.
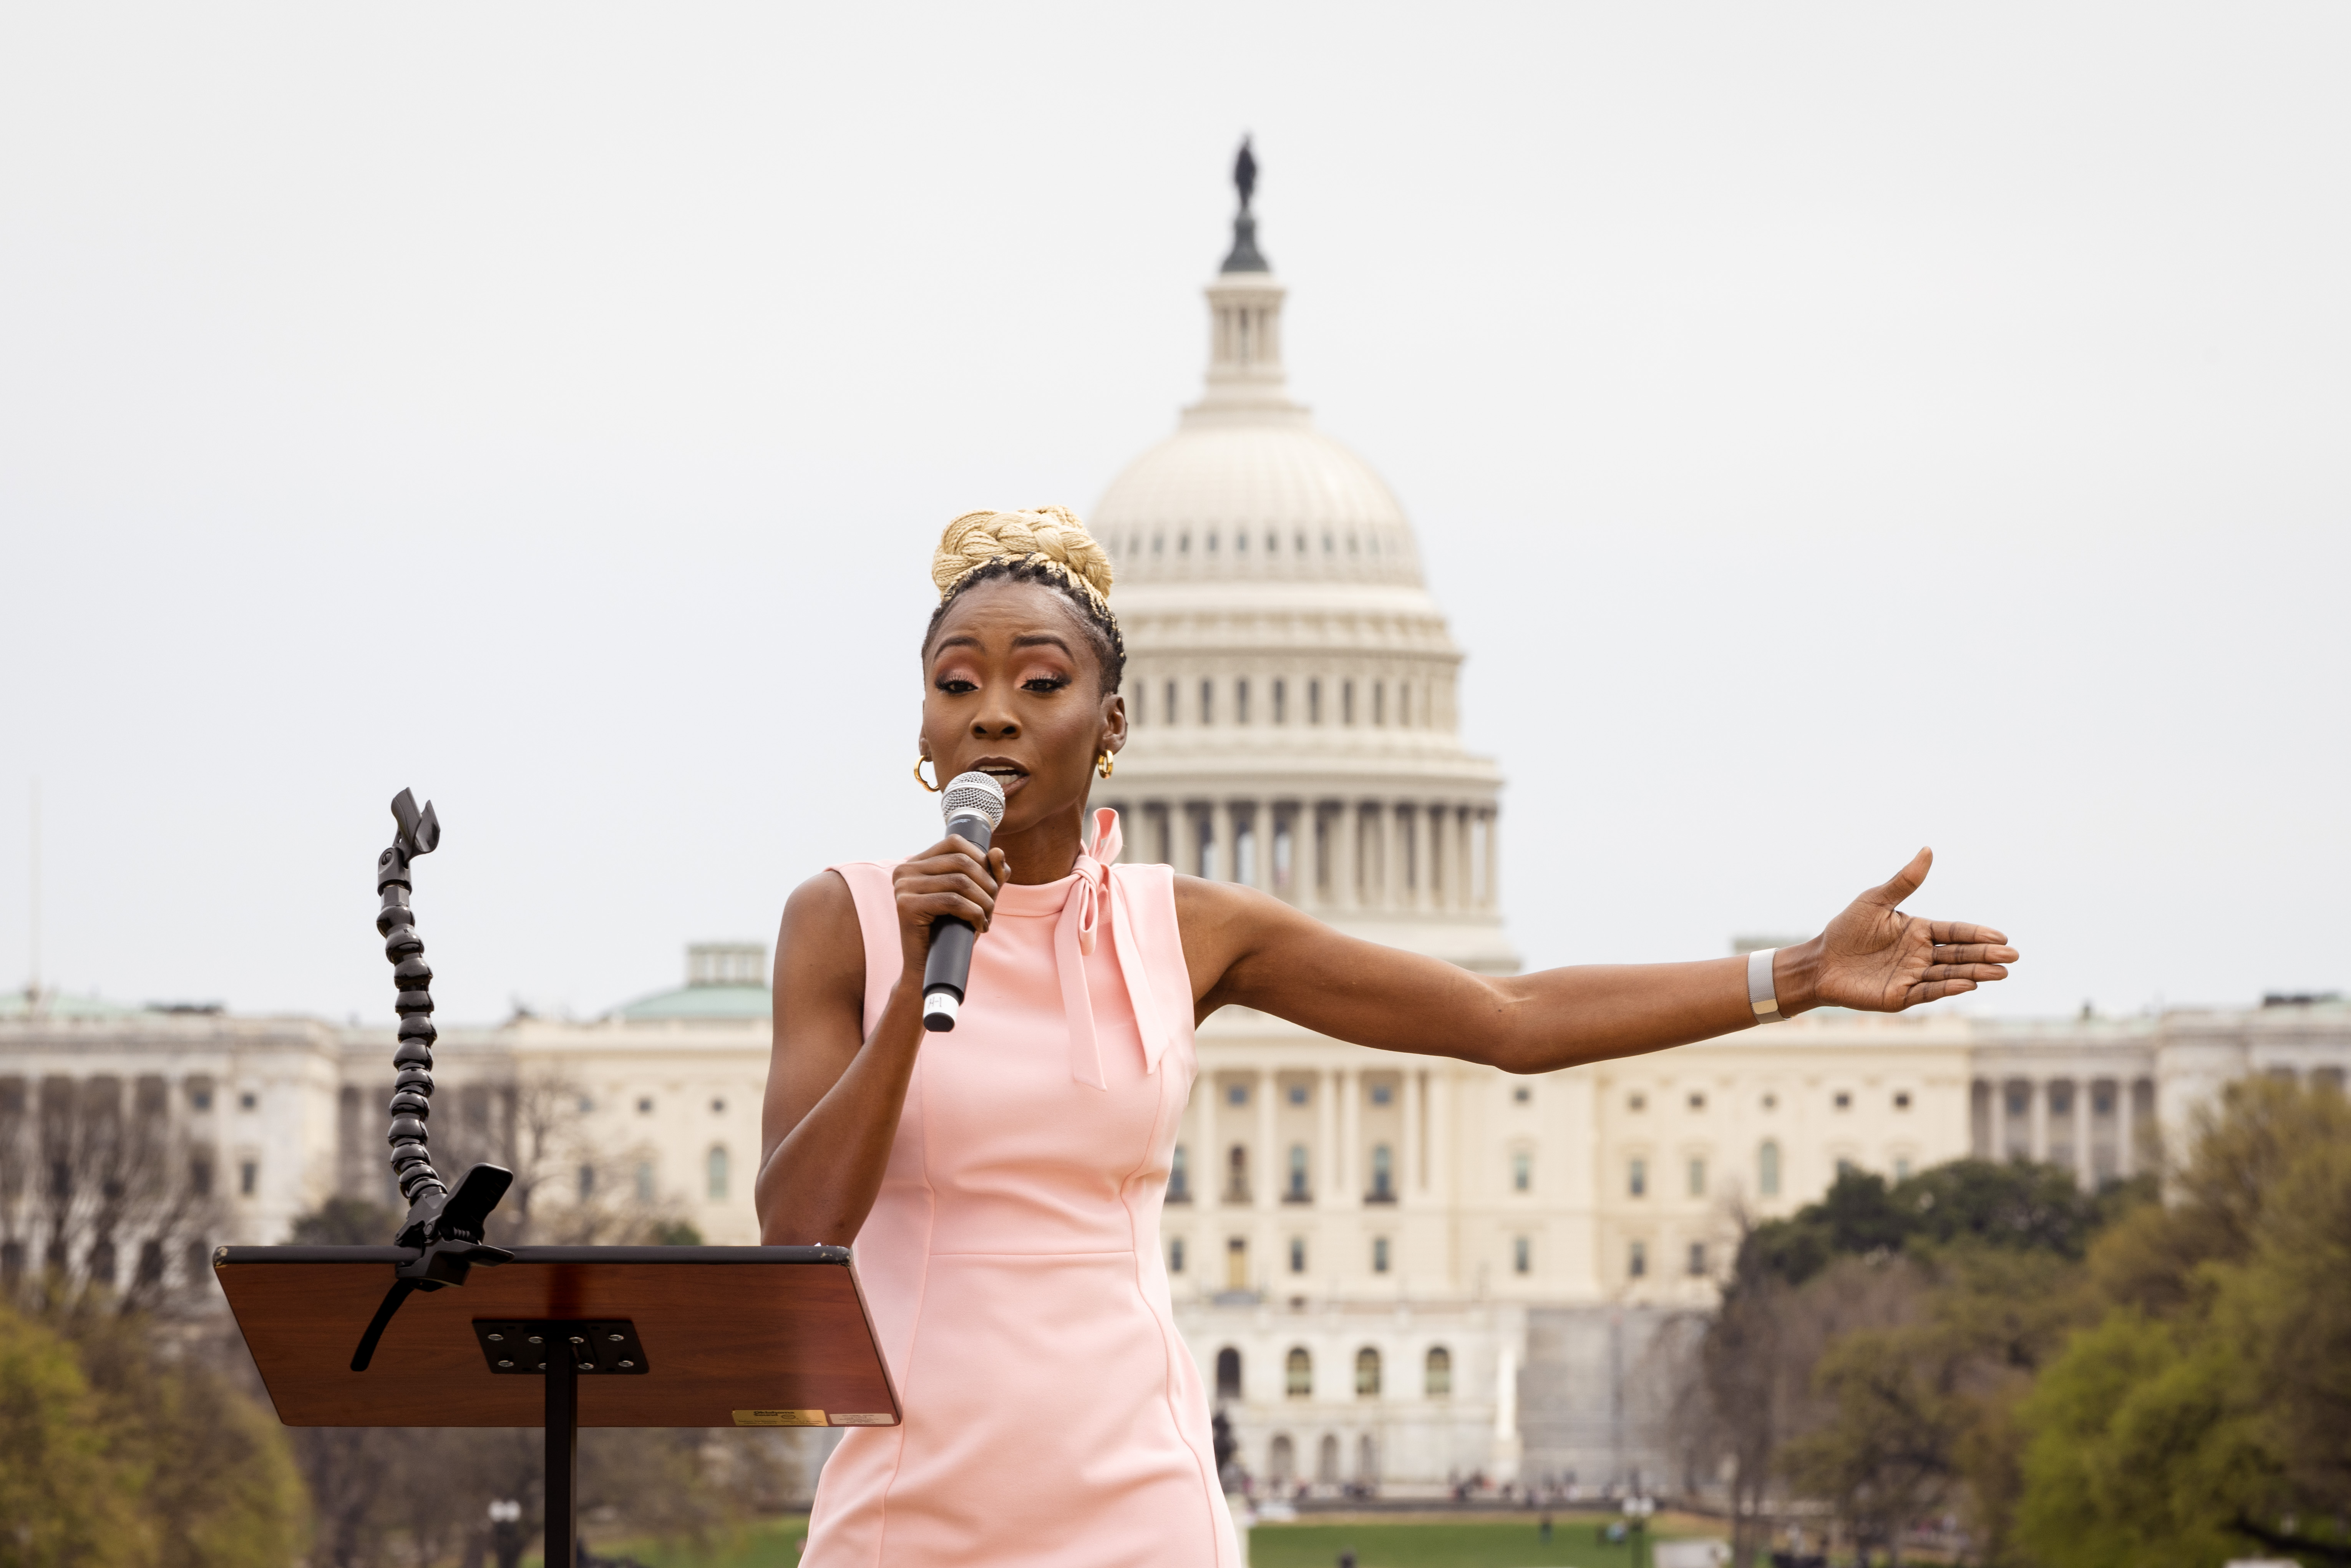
[[1002, 1182]]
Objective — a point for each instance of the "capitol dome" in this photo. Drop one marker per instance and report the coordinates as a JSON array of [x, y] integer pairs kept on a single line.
[[1290, 681], [1268, 498]]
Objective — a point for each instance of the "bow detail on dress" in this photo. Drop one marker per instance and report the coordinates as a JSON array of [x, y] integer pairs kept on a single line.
[[1092, 891]]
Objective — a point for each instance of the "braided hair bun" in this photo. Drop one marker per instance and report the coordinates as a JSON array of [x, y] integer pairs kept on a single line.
[[1045, 545], [1049, 536]]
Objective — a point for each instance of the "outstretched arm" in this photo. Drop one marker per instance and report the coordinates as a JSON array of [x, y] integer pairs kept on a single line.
[[1245, 949]]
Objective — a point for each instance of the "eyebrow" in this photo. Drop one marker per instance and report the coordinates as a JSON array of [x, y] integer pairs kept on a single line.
[[1028, 640]]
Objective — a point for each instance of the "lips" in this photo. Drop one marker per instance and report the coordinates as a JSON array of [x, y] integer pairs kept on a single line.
[[1009, 775]]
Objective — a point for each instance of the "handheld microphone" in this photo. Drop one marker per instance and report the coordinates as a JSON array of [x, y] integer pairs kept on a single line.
[[973, 805]]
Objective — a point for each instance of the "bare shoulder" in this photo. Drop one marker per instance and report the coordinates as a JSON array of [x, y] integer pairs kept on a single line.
[[1222, 924], [820, 944]]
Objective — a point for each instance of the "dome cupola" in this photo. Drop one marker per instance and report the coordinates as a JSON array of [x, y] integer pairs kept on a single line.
[[1289, 680]]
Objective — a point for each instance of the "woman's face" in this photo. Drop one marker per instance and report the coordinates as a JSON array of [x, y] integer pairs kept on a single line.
[[1015, 692]]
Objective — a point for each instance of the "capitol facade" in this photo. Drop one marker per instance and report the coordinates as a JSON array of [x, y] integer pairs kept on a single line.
[[1395, 1271]]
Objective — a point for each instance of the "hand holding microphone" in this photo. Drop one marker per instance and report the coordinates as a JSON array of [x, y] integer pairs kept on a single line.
[[972, 804]]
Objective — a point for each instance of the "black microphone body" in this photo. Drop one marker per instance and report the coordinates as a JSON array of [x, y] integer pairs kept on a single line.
[[946, 971]]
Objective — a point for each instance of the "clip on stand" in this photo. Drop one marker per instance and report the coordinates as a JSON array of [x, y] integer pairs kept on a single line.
[[670, 1336]]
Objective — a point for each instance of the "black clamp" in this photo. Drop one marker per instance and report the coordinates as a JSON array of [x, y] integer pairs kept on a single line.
[[445, 1229]]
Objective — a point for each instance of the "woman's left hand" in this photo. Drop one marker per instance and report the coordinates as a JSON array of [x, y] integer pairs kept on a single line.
[[1877, 959]]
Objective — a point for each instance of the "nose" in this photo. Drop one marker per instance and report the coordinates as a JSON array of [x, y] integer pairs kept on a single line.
[[995, 720]]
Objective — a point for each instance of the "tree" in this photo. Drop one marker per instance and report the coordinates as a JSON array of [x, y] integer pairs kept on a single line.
[[122, 1445], [1871, 1350], [2209, 1408], [101, 1191], [61, 1491]]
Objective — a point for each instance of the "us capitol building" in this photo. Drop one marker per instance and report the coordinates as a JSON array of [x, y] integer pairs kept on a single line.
[[1394, 1269]]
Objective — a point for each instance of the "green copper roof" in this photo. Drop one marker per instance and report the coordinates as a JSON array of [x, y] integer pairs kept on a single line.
[[701, 1002], [61, 1005]]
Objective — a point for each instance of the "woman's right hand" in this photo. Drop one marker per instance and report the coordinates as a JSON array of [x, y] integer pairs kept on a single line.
[[951, 880]]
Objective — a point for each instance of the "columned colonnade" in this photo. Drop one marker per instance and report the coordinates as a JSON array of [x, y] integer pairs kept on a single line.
[[1328, 854], [2093, 1126]]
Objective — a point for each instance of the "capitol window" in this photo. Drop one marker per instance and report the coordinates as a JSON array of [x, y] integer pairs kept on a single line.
[[1314, 702], [1404, 703], [1169, 710], [1522, 1256], [1346, 702], [1767, 1169], [1379, 1254], [1522, 1171], [1696, 1258], [1902, 1100], [1176, 1256], [1697, 1099], [717, 1174], [1240, 701], [1183, 544], [1367, 1374], [1436, 1374], [1298, 1254], [1636, 1179], [1281, 692], [1844, 1100], [1697, 1177], [1299, 544], [1158, 544], [1636, 1261], [1328, 547], [1297, 1374], [1208, 702]]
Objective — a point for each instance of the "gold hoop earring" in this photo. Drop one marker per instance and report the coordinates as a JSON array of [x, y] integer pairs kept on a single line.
[[1105, 765], [926, 783]]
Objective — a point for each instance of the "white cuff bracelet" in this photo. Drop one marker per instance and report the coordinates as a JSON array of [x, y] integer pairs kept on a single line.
[[1761, 995]]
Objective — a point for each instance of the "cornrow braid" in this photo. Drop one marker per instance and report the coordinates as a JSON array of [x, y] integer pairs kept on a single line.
[[1048, 546]]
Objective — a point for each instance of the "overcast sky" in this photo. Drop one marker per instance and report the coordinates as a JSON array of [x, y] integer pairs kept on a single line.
[[1831, 429]]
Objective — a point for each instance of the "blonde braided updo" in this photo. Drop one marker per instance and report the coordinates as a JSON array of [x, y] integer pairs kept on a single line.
[[1046, 545]]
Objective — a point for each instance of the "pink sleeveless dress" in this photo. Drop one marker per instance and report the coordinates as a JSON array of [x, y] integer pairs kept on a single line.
[[1053, 1414]]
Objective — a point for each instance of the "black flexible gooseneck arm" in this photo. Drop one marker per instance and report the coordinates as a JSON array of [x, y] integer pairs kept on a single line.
[[444, 1226]]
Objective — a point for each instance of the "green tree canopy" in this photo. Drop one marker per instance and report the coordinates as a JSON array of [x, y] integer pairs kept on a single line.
[[2208, 1411]]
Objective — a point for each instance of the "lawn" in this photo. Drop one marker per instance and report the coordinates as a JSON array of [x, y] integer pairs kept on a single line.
[[1471, 1543], [771, 1543]]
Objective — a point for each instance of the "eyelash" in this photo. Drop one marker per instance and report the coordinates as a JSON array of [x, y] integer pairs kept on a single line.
[[1040, 683]]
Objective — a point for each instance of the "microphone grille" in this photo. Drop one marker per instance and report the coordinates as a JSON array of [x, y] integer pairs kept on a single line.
[[975, 793]]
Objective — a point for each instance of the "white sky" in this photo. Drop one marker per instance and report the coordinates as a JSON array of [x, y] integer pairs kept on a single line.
[[1831, 429]]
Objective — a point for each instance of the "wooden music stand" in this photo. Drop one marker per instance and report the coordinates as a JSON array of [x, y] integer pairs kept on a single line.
[[660, 1336]]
